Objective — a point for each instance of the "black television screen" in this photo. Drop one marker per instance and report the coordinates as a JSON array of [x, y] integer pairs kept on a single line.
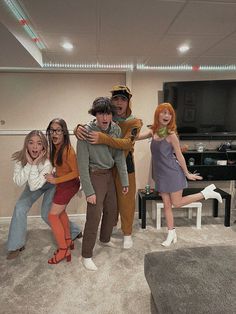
[[204, 109]]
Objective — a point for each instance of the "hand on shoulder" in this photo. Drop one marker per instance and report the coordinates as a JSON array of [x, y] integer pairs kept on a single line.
[[81, 132]]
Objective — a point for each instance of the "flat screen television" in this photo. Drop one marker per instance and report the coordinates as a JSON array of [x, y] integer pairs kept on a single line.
[[204, 109]]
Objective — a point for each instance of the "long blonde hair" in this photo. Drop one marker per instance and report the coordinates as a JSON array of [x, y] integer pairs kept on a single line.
[[21, 154], [156, 124]]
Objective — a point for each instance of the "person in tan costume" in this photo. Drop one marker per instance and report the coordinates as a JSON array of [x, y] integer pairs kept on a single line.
[[130, 127]]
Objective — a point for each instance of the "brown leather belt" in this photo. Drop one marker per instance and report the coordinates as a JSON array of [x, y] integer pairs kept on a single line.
[[100, 171]]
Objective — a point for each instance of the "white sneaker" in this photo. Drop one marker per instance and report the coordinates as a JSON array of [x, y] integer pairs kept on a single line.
[[89, 264], [110, 244], [128, 242]]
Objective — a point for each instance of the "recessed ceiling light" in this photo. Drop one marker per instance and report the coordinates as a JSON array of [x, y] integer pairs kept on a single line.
[[67, 46], [183, 48]]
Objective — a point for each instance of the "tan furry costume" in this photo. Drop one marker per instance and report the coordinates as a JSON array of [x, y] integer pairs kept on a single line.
[[130, 127]]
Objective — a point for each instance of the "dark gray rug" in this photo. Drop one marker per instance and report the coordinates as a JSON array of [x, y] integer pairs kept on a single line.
[[193, 280]]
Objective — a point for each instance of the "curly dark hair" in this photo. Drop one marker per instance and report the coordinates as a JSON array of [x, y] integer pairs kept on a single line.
[[102, 105]]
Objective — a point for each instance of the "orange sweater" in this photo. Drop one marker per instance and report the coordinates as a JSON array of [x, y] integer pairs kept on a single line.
[[69, 168]]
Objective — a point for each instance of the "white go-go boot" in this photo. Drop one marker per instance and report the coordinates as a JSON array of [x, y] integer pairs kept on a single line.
[[171, 237], [209, 192]]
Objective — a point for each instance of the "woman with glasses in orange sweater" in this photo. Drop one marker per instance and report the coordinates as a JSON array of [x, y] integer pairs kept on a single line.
[[66, 178]]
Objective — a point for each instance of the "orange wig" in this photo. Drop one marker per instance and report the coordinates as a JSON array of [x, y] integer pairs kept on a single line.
[[172, 124]]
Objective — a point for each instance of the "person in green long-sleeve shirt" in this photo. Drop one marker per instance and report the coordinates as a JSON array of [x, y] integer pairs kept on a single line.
[[130, 128], [96, 163]]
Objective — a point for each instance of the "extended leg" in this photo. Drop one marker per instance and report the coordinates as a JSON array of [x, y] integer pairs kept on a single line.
[[46, 205], [59, 231], [208, 192], [18, 226]]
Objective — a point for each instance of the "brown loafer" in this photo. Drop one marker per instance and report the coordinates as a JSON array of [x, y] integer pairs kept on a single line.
[[14, 254]]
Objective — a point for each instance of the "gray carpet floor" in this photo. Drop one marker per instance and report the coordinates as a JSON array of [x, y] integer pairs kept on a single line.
[[30, 286]]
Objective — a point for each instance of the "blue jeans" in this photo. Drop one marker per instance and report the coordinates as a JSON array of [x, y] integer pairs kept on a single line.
[[18, 226]]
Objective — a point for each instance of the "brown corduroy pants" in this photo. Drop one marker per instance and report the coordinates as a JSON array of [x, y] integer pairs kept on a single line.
[[106, 206]]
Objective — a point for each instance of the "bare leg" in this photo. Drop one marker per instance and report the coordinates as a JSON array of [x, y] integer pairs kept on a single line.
[[178, 200], [168, 210], [171, 236], [57, 209], [208, 192]]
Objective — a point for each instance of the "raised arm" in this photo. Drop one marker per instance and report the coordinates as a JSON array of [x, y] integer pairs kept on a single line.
[[176, 145], [37, 175], [144, 135], [21, 173], [130, 132], [118, 143]]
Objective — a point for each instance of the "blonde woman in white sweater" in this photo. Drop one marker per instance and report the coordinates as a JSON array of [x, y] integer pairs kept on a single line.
[[31, 166]]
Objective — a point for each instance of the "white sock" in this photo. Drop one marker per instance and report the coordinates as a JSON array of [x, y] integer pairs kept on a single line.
[[88, 263], [128, 242]]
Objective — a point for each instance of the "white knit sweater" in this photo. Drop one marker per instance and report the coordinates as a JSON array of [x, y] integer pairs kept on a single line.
[[31, 174]]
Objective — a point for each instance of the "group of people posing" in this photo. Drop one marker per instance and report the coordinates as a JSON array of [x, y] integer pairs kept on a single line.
[[104, 165]]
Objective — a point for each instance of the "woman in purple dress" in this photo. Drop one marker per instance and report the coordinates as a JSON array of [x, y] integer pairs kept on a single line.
[[169, 167]]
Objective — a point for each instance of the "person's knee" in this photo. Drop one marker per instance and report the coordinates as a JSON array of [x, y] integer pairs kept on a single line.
[[51, 217], [176, 204], [21, 208]]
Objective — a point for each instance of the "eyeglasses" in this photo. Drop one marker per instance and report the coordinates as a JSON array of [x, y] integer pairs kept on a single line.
[[57, 131]]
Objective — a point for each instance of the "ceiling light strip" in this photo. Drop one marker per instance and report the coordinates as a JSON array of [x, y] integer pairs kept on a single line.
[[142, 67], [87, 66], [230, 67], [164, 67], [24, 21]]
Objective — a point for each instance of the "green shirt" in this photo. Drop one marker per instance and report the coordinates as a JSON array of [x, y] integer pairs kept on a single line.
[[90, 156]]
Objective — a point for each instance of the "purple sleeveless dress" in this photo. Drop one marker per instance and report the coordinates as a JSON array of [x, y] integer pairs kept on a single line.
[[167, 173]]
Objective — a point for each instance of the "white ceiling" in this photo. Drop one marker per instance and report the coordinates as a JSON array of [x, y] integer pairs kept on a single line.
[[128, 31]]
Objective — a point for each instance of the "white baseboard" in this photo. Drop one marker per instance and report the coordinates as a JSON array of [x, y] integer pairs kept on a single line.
[[4, 219]]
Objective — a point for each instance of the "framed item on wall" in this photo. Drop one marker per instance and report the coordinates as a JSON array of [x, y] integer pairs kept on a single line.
[[189, 114], [189, 98]]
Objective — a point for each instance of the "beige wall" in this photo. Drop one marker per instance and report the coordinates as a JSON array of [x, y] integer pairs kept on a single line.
[[30, 100]]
